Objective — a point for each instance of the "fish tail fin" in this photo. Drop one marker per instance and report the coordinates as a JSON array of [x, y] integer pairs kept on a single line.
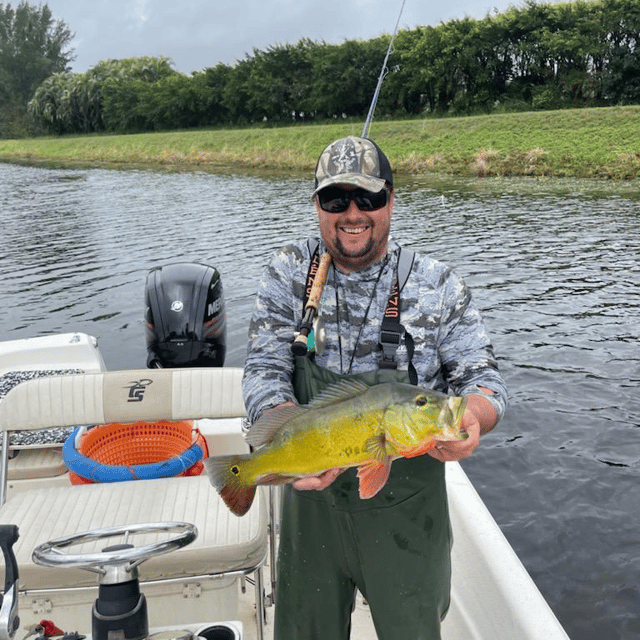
[[224, 472]]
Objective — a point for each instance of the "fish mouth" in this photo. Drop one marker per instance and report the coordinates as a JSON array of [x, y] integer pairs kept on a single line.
[[451, 418]]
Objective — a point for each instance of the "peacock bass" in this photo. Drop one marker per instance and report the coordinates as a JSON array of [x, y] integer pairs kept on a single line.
[[350, 424]]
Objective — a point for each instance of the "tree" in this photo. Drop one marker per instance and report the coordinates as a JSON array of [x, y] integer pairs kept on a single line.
[[68, 103], [33, 46], [127, 91], [346, 75], [212, 82], [621, 76], [279, 82]]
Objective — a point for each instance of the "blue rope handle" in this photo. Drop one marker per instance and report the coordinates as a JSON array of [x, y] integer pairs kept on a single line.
[[98, 472]]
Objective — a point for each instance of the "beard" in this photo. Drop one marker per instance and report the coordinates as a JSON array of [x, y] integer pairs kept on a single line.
[[362, 257]]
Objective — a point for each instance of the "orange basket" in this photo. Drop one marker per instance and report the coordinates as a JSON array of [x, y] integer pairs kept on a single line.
[[122, 447]]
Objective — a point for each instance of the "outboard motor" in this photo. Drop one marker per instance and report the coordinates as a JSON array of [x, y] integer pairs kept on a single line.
[[185, 315]]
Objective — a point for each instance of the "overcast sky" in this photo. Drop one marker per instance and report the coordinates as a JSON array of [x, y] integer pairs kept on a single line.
[[197, 34]]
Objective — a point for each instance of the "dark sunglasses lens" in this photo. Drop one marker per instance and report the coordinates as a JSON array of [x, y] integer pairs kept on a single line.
[[336, 200], [369, 201]]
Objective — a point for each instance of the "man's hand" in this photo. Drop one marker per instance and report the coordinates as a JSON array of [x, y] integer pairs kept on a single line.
[[459, 449], [479, 417], [319, 482]]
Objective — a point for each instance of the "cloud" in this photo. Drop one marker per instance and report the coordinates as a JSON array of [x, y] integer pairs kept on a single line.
[[141, 8], [197, 34]]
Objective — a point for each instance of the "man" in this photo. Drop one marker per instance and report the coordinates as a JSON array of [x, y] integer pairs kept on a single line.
[[394, 547]]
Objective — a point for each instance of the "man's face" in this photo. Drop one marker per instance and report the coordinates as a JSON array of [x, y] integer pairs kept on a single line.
[[355, 239]]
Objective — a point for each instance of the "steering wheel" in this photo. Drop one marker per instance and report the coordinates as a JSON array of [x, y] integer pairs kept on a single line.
[[51, 554]]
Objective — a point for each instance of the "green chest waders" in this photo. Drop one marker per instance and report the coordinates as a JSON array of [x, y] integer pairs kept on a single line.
[[394, 547]]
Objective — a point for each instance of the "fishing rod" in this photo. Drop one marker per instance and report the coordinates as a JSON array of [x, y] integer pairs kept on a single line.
[[299, 346], [383, 73]]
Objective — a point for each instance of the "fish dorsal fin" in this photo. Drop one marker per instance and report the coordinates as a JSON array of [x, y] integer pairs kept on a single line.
[[270, 422], [338, 392]]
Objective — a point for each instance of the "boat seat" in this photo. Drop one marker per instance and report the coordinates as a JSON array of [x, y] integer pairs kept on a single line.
[[53, 354], [225, 543], [29, 464]]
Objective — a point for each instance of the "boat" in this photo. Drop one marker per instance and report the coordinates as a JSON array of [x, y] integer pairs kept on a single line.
[[181, 565]]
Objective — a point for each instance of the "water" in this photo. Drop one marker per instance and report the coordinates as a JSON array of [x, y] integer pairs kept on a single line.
[[553, 266]]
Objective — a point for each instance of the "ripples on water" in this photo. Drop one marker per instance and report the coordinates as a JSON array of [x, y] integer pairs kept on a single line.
[[555, 274], [559, 284]]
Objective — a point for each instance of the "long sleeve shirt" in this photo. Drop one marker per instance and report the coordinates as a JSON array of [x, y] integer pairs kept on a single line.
[[452, 353]]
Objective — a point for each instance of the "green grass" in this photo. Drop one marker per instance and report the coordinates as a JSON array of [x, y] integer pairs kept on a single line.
[[582, 143]]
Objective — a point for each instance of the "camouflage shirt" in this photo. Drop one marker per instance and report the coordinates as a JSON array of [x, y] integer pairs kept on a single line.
[[452, 353]]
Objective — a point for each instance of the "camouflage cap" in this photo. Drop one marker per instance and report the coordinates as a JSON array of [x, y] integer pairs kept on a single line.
[[355, 161]]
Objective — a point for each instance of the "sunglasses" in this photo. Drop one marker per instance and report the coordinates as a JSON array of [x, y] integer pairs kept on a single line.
[[336, 200]]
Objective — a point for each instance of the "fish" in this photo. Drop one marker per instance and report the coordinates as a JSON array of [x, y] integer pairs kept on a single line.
[[349, 424]]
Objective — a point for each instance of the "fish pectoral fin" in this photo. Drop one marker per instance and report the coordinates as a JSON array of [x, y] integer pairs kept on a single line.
[[414, 452], [376, 447], [373, 476]]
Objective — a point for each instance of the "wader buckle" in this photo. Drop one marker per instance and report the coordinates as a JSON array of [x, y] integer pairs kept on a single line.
[[390, 337]]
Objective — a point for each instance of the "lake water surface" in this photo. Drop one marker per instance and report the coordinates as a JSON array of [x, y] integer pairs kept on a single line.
[[554, 266]]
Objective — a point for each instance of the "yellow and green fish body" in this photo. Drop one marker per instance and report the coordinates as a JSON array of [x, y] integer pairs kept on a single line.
[[348, 425]]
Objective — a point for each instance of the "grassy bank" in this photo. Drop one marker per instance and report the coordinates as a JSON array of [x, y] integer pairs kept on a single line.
[[593, 143]]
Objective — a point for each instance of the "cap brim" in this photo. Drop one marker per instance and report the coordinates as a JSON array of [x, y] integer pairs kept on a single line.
[[369, 183]]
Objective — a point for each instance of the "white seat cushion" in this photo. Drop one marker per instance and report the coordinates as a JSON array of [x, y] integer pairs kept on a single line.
[[225, 543]]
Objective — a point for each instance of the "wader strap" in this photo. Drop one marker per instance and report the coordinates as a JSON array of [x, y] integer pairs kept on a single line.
[[313, 269], [392, 330]]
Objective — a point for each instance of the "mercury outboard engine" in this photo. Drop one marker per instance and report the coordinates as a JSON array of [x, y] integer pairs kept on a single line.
[[185, 314]]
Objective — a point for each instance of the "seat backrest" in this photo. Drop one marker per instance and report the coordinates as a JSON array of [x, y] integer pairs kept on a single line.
[[118, 396]]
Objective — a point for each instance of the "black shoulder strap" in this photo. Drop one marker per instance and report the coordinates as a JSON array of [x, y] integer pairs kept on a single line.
[[314, 250], [392, 330]]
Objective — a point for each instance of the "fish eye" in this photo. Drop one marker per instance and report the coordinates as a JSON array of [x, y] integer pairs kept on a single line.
[[421, 401]]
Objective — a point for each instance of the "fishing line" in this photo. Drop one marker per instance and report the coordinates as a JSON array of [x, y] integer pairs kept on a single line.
[[383, 73]]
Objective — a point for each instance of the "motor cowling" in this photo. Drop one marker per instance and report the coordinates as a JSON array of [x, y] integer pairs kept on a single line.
[[185, 316]]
